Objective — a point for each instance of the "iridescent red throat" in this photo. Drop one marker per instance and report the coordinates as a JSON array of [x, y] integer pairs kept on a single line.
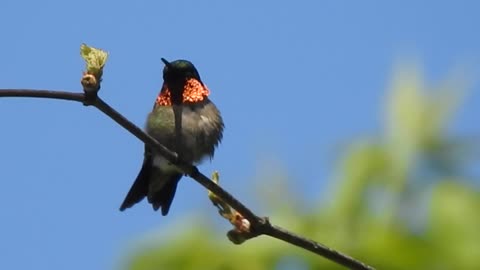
[[193, 91]]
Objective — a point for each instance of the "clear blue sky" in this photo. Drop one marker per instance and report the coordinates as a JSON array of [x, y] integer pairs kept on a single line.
[[292, 79]]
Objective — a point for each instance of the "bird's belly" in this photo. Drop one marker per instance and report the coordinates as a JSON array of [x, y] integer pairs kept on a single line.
[[160, 162]]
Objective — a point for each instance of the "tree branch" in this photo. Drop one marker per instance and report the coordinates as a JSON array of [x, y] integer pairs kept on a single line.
[[300, 241], [258, 225], [42, 94]]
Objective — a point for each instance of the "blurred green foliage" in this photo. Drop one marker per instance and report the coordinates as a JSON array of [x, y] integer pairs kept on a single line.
[[403, 201]]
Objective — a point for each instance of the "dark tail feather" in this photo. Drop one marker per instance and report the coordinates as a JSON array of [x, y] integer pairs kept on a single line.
[[164, 197], [139, 189]]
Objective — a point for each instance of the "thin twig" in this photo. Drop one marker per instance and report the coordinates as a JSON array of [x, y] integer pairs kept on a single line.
[[42, 94], [300, 241], [259, 226]]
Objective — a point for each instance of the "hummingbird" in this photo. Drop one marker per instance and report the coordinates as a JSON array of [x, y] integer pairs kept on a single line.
[[185, 121]]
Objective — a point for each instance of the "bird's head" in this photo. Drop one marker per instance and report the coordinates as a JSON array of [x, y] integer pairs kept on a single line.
[[179, 71], [182, 84]]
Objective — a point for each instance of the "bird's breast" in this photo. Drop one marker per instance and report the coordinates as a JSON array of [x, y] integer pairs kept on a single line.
[[191, 130]]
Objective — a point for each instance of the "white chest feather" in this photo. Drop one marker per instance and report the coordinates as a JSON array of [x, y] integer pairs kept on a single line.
[[160, 162]]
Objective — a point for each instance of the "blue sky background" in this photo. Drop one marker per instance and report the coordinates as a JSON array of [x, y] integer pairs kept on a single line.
[[293, 79]]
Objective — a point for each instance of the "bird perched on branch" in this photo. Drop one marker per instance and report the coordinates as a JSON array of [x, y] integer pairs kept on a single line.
[[185, 121]]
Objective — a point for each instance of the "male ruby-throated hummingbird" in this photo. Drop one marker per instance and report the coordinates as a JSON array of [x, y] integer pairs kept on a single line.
[[185, 121]]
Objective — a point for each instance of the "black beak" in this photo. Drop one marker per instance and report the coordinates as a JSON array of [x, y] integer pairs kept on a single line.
[[166, 63]]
